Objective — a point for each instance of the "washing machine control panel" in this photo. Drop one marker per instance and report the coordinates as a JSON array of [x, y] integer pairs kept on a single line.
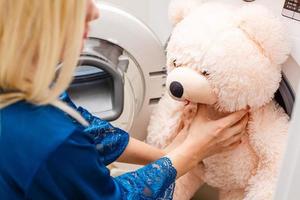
[[290, 12], [291, 9]]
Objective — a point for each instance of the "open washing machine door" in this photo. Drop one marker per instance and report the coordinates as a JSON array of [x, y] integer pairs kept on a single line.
[[121, 74], [99, 79]]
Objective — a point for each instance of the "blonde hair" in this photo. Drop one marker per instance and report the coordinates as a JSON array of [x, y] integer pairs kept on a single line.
[[35, 36]]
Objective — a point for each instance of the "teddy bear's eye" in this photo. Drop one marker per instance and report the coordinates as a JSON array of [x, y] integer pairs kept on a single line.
[[205, 72], [174, 63]]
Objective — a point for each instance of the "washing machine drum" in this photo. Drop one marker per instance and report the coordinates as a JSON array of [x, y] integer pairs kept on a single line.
[[99, 81]]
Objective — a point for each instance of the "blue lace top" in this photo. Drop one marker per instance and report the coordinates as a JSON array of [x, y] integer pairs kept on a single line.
[[46, 155]]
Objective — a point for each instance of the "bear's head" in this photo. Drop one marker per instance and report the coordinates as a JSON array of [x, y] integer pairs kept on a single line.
[[224, 56]]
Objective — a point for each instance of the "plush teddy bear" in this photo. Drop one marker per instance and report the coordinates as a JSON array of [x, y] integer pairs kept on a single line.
[[226, 58]]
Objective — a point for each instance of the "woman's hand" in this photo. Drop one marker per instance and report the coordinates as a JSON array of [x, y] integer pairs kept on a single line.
[[206, 137], [215, 135]]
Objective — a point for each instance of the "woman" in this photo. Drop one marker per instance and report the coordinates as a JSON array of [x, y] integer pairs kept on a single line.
[[50, 149]]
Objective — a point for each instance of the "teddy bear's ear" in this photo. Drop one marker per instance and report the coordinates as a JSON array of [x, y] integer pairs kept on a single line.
[[179, 9], [266, 31]]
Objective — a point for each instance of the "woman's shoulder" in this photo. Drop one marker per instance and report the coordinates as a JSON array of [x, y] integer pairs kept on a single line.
[[29, 133], [29, 118]]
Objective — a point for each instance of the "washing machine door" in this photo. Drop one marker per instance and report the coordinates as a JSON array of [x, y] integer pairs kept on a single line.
[[99, 79]]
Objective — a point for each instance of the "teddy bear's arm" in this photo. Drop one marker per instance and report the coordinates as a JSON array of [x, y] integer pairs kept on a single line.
[[189, 184], [165, 122], [268, 130]]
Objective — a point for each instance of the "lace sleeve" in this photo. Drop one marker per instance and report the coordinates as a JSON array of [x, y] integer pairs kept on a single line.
[[110, 142], [154, 181]]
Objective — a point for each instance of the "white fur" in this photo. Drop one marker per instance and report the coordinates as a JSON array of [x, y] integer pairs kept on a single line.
[[268, 131], [173, 114], [266, 31], [218, 38], [169, 112], [242, 49], [188, 185]]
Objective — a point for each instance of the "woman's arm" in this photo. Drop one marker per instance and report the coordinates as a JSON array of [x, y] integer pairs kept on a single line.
[[141, 153], [76, 170], [138, 152], [202, 139]]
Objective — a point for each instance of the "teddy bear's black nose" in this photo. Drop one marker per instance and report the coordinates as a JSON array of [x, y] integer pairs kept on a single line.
[[176, 89]]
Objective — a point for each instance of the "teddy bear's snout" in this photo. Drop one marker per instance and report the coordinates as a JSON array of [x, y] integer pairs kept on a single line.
[[185, 84], [176, 89]]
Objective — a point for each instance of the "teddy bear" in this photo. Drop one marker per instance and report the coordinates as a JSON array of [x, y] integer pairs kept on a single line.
[[226, 58]]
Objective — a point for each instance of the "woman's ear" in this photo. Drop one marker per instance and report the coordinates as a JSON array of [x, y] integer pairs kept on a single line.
[[179, 9], [266, 31]]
